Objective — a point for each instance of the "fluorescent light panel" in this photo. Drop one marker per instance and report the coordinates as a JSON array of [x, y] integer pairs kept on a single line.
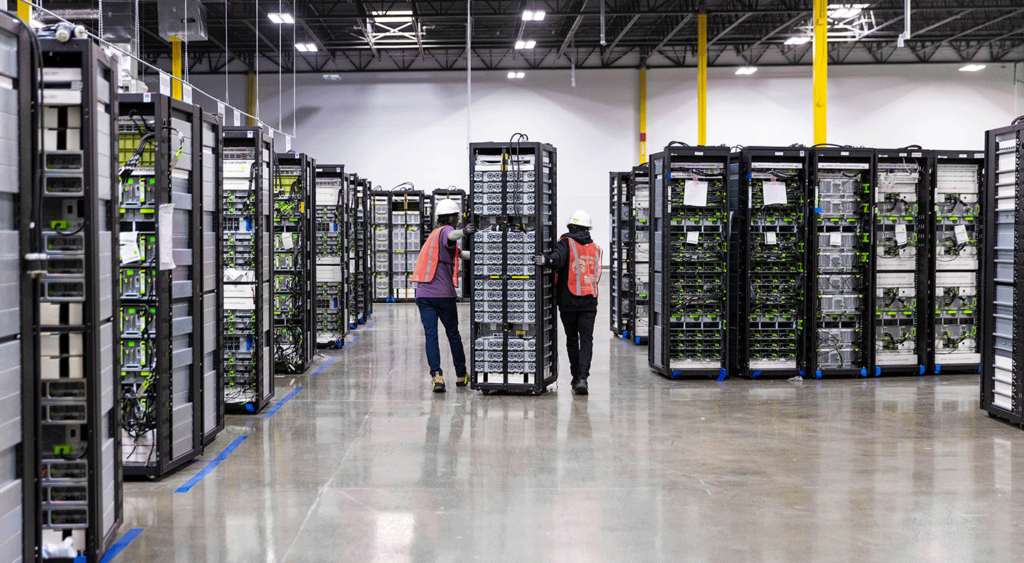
[[972, 68], [513, 75], [306, 47], [281, 18], [799, 40], [746, 70], [534, 15], [393, 16], [527, 44], [845, 11]]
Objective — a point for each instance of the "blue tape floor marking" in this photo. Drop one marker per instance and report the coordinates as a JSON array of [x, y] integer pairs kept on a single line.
[[281, 403], [322, 367], [120, 544], [211, 465]]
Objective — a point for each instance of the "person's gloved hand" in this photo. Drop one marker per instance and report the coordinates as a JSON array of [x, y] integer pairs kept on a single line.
[[539, 260], [469, 229]]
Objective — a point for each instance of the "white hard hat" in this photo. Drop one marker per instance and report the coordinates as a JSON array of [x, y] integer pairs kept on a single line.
[[447, 207], [580, 218]]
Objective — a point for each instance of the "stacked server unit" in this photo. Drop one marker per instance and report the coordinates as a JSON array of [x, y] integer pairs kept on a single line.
[[78, 472], [515, 346], [690, 231], [770, 188], [333, 243], [397, 237], [1002, 269], [211, 264], [294, 271], [160, 322], [841, 263], [459, 197], [18, 344], [954, 345], [360, 251], [247, 321], [637, 256], [618, 215]]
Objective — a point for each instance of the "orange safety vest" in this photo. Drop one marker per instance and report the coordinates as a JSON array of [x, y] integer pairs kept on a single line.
[[426, 263], [584, 268]]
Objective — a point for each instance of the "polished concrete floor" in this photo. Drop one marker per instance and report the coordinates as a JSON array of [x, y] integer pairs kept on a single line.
[[366, 464]]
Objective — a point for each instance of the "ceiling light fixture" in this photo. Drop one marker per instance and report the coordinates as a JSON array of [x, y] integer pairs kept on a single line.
[[746, 70], [281, 18], [332, 77], [393, 16], [306, 47], [798, 40], [972, 68], [845, 11], [527, 44], [513, 75], [534, 15]]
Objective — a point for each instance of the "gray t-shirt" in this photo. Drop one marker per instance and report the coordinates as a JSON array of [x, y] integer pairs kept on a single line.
[[441, 286]]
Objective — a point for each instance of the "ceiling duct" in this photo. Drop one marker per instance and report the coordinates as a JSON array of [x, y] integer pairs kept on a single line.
[[173, 21], [118, 21]]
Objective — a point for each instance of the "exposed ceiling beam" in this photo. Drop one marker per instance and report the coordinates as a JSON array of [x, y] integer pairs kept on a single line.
[[674, 31], [622, 33], [572, 32], [728, 29]]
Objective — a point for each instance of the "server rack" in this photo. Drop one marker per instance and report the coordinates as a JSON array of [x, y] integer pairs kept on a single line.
[[901, 249], [160, 328], [77, 383], [333, 243], [365, 251], [427, 218], [690, 232], [211, 268], [841, 262], [18, 341], [770, 189], [294, 271], [1002, 269], [398, 236], [637, 255], [248, 354], [956, 230], [359, 251], [513, 190], [459, 197], [618, 219]]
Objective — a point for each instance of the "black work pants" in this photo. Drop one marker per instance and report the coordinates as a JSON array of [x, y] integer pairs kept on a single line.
[[579, 340]]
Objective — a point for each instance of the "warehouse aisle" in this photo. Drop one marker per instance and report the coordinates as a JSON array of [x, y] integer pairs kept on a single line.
[[365, 464]]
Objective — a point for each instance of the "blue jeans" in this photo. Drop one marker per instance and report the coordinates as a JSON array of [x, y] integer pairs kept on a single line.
[[432, 309]]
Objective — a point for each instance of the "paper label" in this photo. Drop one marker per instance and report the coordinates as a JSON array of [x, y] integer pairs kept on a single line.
[[961, 234], [130, 252], [221, 111], [835, 239], [165, 230], [901, 235], [287, 241], [770, 238], [186, 93], [288, 144], [238, 118], [695, 193], [774, 193], [693, 237], [165, 84]]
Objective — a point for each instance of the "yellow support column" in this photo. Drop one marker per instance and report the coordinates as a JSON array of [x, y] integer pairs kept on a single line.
[[643, 116], [702, 79], [24, 10], [820, 71], [251, 96], [176, 67]]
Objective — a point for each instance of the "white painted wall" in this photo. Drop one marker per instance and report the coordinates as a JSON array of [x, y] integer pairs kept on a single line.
[[397, 127]]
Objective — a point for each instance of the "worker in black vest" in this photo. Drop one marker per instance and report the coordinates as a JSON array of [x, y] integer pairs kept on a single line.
[[577, 262]]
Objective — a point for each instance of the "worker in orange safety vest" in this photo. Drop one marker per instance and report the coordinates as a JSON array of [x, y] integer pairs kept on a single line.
[[577, 262], [436, 277]]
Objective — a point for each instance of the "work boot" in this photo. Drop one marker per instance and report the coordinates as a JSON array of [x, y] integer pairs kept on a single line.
[[462, 380], [438, 383], [581, 387]]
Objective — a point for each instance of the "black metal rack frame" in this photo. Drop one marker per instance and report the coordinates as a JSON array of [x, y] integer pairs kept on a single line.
[[398, 252], [209, 156], [78, 441], [953, 318], [768, 188], [247, 317], [637, 256], [847, 224], [460, 197], [1002, 271], [688, 311], [505, 187], [618, 188], [333, 245], [294, 280], [161, 403]]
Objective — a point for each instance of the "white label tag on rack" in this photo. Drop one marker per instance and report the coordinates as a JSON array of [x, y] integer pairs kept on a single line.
[[165, 84], [287, 242], [288, 144], [774, 193], [221, 112], [770, 238], [693, 237], [901, 235], [835, 239], [129, 247], [961, 234], [238, 118], [165, 231], [695, 193], [186, 93]]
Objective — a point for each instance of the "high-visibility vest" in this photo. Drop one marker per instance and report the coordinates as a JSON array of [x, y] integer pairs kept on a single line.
[[584, 268], [430, 255]]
